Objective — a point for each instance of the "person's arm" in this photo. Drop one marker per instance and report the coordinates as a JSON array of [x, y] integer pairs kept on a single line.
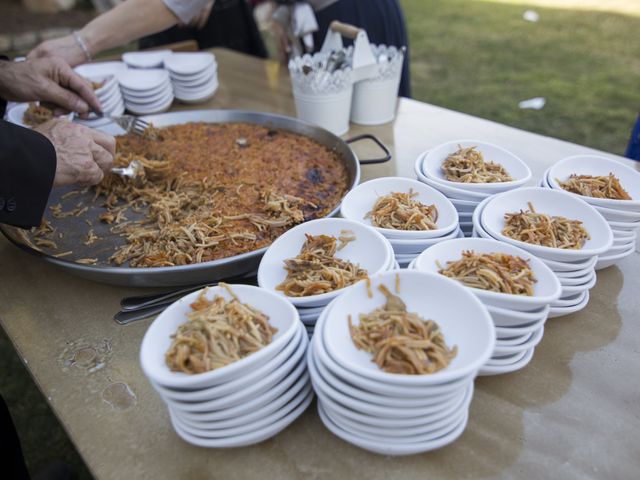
[[54, 154], [27, 170], [126, 22]]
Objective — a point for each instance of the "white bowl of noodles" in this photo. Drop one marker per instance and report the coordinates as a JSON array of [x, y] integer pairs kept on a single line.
[[514, 166], [545, 290], [363, 246], [158, 339], [359, 202], [463, 320], [553, 203]]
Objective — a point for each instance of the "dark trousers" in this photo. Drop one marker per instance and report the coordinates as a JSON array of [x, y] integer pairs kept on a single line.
[[383, 21], [11, 458], [633, 149]]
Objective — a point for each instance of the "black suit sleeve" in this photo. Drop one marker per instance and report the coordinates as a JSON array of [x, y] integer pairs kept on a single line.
[[27, 170]]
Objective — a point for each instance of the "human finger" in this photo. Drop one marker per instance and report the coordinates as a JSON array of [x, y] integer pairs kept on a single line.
[[91, 174], [102, 157], [81, 86], [106, 141], [52, 92]]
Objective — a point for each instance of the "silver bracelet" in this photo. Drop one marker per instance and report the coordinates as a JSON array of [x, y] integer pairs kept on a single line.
[[82, 45]]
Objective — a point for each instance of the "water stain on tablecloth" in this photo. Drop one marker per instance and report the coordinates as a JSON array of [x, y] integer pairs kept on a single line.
[[84, 356], [119, 396]]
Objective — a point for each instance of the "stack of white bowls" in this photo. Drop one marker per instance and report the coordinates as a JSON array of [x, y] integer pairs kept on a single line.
[[574, 268], [194, 76], [146, 91], [519, 320], [244, 402], [623, 216], [466, 196], [146, 59], [370, 250], [399, 414], [407, 244]]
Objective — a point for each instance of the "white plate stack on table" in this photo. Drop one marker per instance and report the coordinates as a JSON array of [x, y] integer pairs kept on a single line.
[[519, 319], [245, 401], [194, 76], [407, 244], [146, 91], [575, 268], [398, 413], [466, 196], [623, 216], [363, 246]]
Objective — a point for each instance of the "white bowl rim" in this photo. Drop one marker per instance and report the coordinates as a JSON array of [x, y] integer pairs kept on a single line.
[[180, 380], [500, 247], [410, 183], [541, 250], [441, 376], [480, 186]]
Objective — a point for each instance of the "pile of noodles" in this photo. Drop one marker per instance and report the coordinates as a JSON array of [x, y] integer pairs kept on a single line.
[[545, 230], [401, 341], [606, 186], [467, 165], [496, 272], [217, 333], [400, 211], [316, 270]]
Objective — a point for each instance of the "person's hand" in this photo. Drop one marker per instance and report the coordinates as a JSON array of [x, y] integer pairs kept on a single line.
[[66, 48], [83, 154], [48, 80]]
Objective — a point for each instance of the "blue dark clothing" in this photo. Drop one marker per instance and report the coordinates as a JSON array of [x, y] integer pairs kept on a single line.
[[633, 149], [381, 19]]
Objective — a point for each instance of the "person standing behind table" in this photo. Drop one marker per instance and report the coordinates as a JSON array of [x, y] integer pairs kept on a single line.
[[633, 149], [53, 154], [383, 21], [222, 23], [128, 21], [31, 162]]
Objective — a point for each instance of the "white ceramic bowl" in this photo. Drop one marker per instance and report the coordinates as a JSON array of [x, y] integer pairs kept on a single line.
[[499, 369], [157, 340], [551, 202], [434, 158], [598, 165], [189, 63], [152, 59], [615, 215], [464, 322], [624, 226], [239, 383], [504, 317], [370, 250], [415, 247], [546, 290], [359, 201], [532, 341], [455, 192], [158, 107], [100, 69], [561, 311], [464, 205], [143, 80]]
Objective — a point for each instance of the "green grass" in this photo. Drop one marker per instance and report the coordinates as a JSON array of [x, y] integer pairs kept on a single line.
[[482, 58]]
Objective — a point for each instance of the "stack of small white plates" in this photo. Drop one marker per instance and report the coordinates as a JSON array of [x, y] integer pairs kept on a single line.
[[146, 59], [370, 250], [194, 76], [100, 69], [574, 268], [146, 91], [399, 414], [110, 99], [623, 216], [466, 196], [244, 402], [519, 320], [407, 244]]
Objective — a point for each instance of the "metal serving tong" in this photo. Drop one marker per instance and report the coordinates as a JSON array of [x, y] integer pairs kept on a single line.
[[144, 306]]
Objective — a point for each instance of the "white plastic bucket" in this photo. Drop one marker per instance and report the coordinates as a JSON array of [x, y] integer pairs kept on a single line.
[[329, 111]]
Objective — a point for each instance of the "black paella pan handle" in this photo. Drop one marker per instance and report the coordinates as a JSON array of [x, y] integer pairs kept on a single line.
[[371, 161]]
